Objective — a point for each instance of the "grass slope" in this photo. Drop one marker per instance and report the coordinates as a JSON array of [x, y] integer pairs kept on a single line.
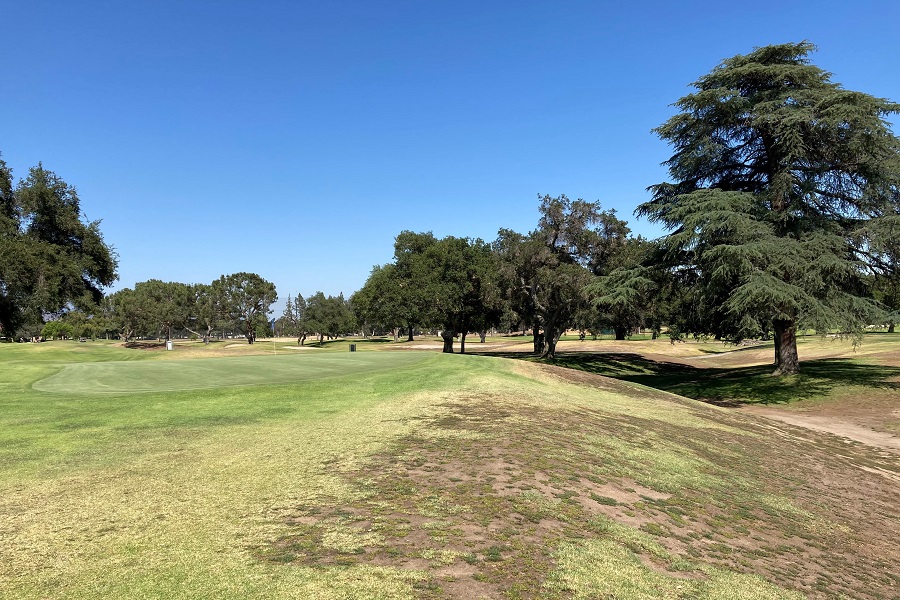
[[418, 476], [838, 380]]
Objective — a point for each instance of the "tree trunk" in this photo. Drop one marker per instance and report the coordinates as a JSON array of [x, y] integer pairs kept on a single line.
[[447, 336], [786, 360], [396, 332], [410, 337], [551, 337], [482, 335], [621, 331], [891, 327], [538, 339], [462, 343]]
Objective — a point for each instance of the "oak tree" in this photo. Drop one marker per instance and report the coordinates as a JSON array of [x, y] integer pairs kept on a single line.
[[51, 256]]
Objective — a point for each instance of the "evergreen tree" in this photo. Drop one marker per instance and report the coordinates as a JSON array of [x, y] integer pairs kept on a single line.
[[775, 172], [50, 257]]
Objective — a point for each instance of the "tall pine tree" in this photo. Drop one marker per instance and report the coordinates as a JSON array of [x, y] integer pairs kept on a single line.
[[776, 171]]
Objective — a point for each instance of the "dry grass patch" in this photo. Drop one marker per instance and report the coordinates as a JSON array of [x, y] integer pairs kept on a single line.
[[585, 492]]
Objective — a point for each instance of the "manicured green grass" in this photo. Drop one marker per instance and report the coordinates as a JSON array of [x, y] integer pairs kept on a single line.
[[402, 475], [94, 378]]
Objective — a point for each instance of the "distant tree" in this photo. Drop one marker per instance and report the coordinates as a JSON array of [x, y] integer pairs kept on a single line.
[[881, 242], [287, 321], [167, 304], [520, 258], [775, 171], [625, 295], [125, 313], [51, 258], [300, 321], [82, 323], [57, 329], [329, 316], [547, 270], [382, 302], [622, 298], [411, 298], [449, 284], [204, 310], [244, 298], [461, 278]]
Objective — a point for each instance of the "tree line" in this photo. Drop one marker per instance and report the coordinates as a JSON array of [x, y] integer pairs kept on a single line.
[[533, 281], [238, 303], [782, 212]]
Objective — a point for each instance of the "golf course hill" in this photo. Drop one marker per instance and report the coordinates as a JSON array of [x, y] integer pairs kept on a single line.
[[262, 472]]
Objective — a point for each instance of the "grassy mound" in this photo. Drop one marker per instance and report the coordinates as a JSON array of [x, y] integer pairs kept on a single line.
[[415, 475]]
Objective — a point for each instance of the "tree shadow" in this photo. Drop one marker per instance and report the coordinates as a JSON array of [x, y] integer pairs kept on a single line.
[[733, 350], [732, 386], [145, 345]]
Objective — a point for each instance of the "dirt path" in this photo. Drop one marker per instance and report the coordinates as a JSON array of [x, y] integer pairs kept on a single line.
[[833, 425]]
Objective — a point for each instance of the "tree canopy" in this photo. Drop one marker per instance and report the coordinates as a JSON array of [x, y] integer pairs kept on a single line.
[[776, 171], [51, 257], [547, 270], [245, 298]]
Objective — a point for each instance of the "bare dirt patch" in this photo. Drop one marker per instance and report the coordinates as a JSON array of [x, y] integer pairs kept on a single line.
[[481, 496]]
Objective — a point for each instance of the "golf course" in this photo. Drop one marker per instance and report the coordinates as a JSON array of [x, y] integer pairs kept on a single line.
[[630, 470]]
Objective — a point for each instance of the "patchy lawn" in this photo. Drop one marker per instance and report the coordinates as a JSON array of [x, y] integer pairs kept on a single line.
[[435, 477]]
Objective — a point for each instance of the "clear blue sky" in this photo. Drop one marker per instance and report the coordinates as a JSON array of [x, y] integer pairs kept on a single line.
[[296, 139]]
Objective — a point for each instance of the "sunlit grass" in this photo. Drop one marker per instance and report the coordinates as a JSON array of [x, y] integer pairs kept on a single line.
[[184, 492]]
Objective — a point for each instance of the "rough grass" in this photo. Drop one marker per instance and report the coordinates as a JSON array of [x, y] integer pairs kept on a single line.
[[441, 476]]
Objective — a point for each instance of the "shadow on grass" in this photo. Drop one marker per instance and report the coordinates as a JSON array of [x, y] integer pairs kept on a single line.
[[145, 345], [315, 343], [733, 386]]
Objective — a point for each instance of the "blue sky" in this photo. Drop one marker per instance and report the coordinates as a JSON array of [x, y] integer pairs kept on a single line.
[[296, 139]]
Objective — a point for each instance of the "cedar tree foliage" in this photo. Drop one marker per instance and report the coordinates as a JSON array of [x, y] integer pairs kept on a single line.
[[777, 171]]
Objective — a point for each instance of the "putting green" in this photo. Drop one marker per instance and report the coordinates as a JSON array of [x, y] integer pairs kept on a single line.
[[125, 377]]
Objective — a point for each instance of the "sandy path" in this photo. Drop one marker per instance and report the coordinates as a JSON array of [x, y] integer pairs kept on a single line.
[[833, 425]]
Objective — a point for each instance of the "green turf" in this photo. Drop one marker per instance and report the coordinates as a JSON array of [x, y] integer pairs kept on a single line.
[[94, 378]]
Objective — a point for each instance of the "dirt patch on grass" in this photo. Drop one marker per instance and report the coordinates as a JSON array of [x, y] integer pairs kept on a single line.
[[480, 498]]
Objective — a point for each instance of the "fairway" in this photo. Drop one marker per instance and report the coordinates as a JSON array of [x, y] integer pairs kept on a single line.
[[124, 377]]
